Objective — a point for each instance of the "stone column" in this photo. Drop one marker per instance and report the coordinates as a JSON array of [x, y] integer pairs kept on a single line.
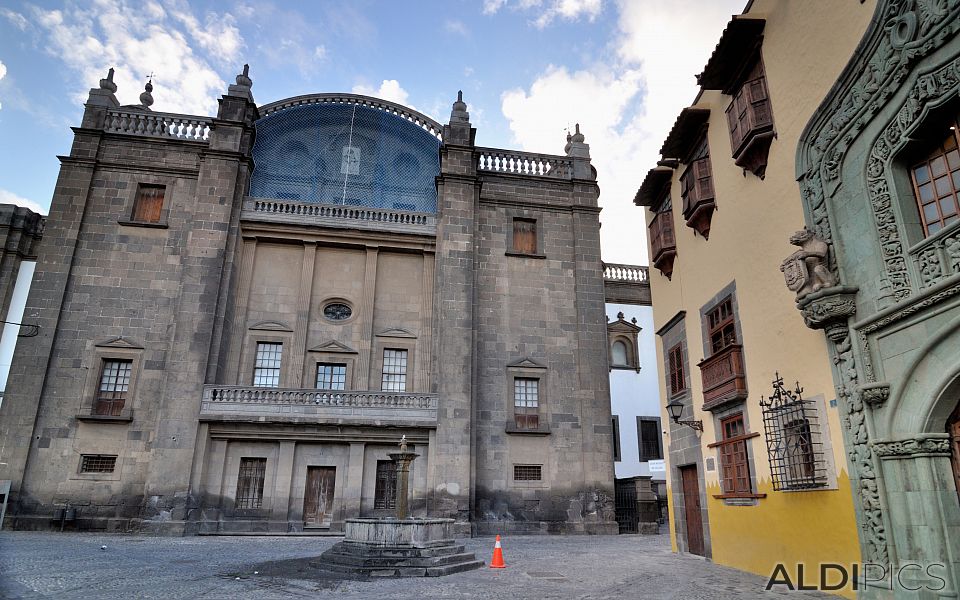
[[402, 462], [280, 506], [353, 486]]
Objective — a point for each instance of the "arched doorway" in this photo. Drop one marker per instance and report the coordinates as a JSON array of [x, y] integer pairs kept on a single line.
[[953, 428]]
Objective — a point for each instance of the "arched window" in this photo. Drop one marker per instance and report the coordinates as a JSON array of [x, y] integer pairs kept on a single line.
[[936, 183], [619, 353]]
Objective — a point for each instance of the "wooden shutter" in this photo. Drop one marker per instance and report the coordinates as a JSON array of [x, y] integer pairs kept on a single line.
[[704, 179], [676, 370], [149, 203], [525, 236]]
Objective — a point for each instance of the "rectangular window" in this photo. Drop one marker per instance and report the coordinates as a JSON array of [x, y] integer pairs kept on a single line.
[[616, 438], [525, 236], [675, 360], [720, 325], [97, 463], [148, 205], [394, 377], [114, 385], [749, 111], [250, 482], [526, 402], [734, 466], [527, 472], [266, 368], [648, 436], [696, 182], [385, 490], [331, 376]]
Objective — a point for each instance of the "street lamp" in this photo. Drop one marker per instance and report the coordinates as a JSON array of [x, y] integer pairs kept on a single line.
[[675, 409]]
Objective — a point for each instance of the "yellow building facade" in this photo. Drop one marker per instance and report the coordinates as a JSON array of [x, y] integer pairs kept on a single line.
[[757, 473]]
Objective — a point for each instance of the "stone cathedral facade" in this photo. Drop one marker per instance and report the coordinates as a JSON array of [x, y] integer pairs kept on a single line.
[[240, 316]]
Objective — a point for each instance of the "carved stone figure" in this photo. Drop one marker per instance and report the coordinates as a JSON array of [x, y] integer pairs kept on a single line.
[[805, 270]]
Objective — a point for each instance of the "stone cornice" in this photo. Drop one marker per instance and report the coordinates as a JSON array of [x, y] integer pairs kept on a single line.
[[933, 444]]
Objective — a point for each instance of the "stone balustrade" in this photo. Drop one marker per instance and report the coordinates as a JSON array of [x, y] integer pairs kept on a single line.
[[154, 124], [524, 163], [627, 273], [338, 215], [240, 403]]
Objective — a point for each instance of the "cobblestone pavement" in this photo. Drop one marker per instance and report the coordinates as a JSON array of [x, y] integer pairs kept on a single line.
[[51, 565]]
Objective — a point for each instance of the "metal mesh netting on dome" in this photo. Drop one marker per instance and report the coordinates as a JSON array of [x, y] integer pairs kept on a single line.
[[345, 154]]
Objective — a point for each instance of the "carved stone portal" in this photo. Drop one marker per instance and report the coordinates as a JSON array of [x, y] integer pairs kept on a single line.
[[806, 271]]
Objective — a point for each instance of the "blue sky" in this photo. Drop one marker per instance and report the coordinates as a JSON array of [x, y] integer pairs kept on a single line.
[[528, 70]]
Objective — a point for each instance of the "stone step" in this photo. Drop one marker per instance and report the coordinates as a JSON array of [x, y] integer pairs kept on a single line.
[[374, 551], [368, 562], [455, 568]]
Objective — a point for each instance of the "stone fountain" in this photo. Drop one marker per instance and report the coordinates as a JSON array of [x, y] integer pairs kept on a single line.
[[400, 546]]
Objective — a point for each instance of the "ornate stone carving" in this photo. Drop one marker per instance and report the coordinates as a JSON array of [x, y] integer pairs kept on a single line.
[[828, 307], [925, 445], [860, 453], [874, 394], [951, 246], [805, 271], [929, 265]]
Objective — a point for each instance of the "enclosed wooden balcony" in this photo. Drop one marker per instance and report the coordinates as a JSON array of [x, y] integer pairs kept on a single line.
[[663, 246], [724, 377]]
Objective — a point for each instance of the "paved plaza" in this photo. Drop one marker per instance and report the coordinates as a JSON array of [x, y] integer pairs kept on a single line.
[[51, 565]]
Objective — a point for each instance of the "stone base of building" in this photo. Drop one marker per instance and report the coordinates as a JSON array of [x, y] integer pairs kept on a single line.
[[480, 528]]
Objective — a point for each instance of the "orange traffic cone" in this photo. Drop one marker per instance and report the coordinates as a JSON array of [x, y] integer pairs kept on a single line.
[[497, 561]]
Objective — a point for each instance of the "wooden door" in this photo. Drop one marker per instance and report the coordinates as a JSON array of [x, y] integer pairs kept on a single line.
[[691, 504], [953, 428], [318, 496]]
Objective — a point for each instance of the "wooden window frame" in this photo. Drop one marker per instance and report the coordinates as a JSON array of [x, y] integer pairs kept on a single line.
[[678, 381], [951, 175], [729, 447], [719, 324], [110, 403], [526, 417], [258, 369], [403, 371], [697, 191], [137, 214], [324, 364], [512, 248], [641, 450]]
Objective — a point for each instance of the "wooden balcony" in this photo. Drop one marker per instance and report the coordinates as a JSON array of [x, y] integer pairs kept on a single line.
[[260, 404], [663, 246], [724, 377]]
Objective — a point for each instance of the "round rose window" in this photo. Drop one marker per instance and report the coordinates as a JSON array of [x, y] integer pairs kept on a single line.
[[337, 311]]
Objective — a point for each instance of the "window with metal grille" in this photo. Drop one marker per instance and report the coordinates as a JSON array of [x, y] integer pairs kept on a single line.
[[385, 490], [266, 367], [675, 360], [734, 463], [114, 386], [648, 436], [749, 111], [394, 376], [616, 437], [527, 472], [526, 402], [250, 482], [331, 376], [720, 326], [525, 236], [148, 205], [696, 182], [936, 183], [97, 463], [792, 431]]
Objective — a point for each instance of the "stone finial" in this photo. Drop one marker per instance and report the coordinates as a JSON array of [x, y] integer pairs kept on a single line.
[[244, 78], [403, 443], [146, 98], [459, 113], [633, 320], [576, 145], [620, 315], [242, 86], [108, 84]]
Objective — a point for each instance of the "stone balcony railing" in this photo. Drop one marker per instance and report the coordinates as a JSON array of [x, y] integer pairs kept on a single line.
[[161, 125], [258, 404], [625, 273], [524, 163], [338, 215]]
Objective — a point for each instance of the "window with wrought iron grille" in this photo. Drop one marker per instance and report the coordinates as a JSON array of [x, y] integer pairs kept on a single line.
[[385, 490], [936, 182], [791, 426], [250, 483], [734, 461], [722, 330], [97, 463], [526, 402], [675, 360], [148, 204], [527, 472], [331, 376], [394, 374], [266, 367], [114, 386]]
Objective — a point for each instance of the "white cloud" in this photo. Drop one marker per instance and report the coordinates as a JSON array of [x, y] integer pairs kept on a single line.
[[390, 90], [138, 39], [455, 26], [3, 73], [491, 7], [7, 197], [569, 10], [625, 106], [16, 19], [320, 52]]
